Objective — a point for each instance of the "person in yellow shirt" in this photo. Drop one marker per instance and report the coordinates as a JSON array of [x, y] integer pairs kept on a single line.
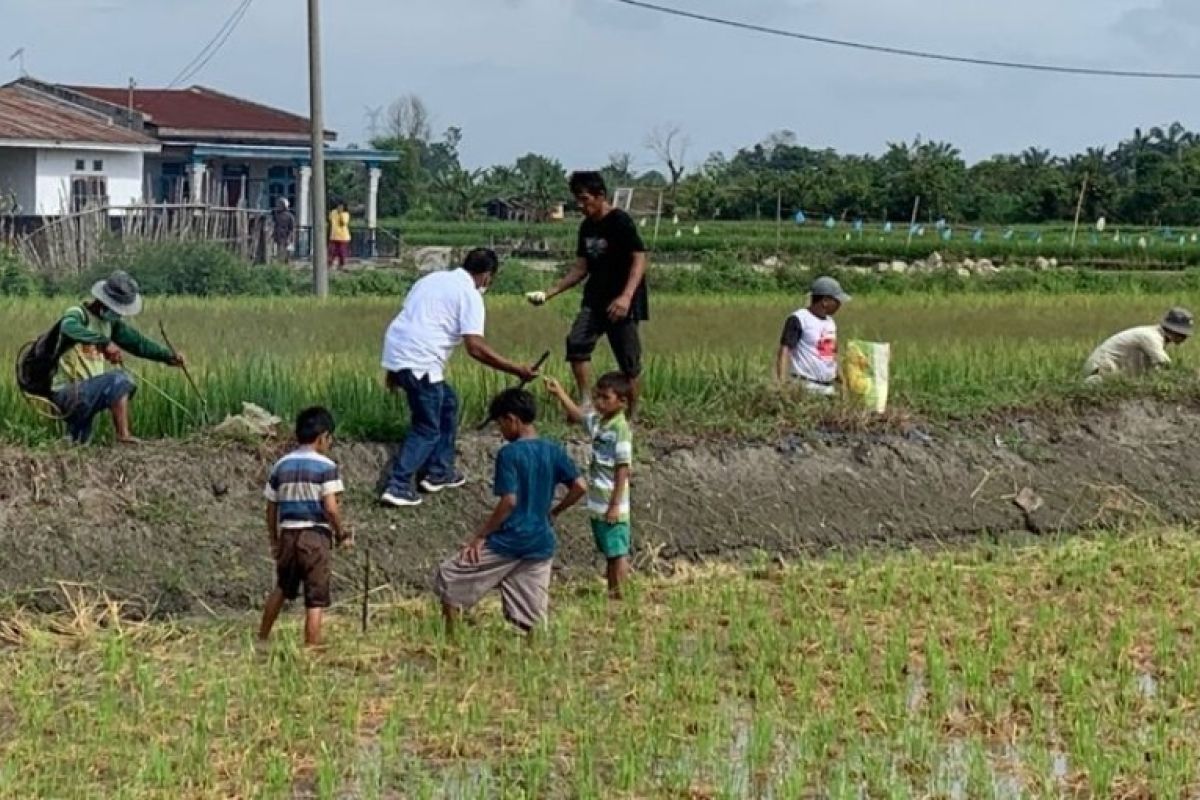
[[339, 235]]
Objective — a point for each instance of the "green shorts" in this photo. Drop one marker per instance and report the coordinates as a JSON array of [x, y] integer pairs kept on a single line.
[[611, 540]]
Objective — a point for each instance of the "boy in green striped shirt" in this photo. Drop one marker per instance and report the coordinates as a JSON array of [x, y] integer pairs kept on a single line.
[[608, 468]]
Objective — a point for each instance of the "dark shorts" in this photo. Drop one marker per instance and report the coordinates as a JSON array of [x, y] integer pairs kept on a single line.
[[623, 337], [305, 557], [80, 402]]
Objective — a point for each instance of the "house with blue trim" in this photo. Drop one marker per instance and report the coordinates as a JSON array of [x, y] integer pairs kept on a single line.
[[205, 147]]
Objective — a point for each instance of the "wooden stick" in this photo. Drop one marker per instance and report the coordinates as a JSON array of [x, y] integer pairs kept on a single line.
[[779, 224], [1079, 209], [366, 593], [913, 222], [540, 363], [186, 374]]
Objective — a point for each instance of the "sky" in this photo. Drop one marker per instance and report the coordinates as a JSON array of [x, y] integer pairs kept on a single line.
[[581, 79]]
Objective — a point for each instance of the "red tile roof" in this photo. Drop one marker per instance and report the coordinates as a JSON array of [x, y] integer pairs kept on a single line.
[[27, 115], [200, 109]]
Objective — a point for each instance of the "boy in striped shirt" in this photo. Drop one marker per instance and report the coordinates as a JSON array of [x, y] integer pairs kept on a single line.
[[303, 519], [608, 469]]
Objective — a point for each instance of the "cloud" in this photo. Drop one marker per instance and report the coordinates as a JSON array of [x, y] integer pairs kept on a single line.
[[1167, 28], [578, 79]]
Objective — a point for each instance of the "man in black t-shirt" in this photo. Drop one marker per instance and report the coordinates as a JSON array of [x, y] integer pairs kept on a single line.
[[611, 257]]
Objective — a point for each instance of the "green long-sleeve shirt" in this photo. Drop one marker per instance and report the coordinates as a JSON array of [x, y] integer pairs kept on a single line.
[[84, 335]]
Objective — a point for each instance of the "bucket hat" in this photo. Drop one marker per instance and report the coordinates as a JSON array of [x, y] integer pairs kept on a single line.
[[119, 293], [1179, 320]]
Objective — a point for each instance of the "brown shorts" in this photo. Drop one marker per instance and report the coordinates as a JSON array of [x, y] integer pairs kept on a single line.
[[305, 557], [524, 585]]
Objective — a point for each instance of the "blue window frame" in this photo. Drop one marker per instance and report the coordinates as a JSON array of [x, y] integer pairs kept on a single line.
[[281, 182], [173, 183]]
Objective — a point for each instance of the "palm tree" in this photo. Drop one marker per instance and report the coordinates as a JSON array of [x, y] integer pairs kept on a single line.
[[1035, 159], [462, 189]]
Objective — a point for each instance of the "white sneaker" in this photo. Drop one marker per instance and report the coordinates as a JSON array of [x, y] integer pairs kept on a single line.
[[433, 487], [400, 499]]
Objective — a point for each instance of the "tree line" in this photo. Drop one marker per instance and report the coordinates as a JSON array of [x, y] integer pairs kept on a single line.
[[1151, 178]]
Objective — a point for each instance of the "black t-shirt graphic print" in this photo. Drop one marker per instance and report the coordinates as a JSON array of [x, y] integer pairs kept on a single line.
[[609, 245]]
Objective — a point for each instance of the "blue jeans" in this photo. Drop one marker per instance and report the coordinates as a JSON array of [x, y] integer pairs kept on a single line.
[[429, 445], [80, 402]]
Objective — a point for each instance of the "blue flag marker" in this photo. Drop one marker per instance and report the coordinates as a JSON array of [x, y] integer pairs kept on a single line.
[[830, 223], [941, 223], [858, 226], [947, 234], [800, 218], [887, 227], [977, 237]]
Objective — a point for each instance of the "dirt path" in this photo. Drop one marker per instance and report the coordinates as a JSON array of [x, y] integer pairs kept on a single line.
[[178, 525]]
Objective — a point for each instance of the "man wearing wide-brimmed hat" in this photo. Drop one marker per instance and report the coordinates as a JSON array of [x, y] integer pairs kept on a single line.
[[93, 338], [1139, 350]]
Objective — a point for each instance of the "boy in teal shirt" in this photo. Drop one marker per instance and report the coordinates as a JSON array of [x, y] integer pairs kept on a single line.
[[608, 469], [512, 551]]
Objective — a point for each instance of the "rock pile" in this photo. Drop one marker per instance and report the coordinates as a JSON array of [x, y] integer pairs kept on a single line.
[[966, 268]]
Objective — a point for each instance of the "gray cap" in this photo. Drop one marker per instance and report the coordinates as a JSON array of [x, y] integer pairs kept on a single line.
[[121, 294], [826, 286], [1179, 320]]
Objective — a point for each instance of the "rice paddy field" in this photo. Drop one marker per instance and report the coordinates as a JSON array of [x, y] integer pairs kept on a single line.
[[708, 365], [1067, 669], [1170, 248], [1062, 667]]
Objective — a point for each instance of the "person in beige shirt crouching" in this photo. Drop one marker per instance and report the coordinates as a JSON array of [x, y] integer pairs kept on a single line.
[[1139, 350]]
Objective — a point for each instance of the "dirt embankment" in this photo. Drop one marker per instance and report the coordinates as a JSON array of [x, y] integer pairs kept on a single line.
[[179, 525]]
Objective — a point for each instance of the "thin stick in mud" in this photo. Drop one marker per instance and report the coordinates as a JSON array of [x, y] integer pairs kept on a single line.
[[186, 374], [366, 592]]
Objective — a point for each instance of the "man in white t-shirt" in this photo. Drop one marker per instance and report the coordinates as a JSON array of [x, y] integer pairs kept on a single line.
[[441, 310], [1139, 350], [808, 345]]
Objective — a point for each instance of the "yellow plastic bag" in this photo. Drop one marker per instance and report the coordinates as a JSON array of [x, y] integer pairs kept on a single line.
[[865, 368]]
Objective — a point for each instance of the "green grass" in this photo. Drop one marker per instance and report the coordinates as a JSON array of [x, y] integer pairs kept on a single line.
[[1068, 669], [707, 368]]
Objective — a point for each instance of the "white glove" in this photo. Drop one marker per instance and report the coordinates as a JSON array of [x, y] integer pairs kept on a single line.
[[536, 298]]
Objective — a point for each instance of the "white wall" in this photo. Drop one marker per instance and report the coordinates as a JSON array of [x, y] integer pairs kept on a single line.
[[55, 168], [18, 171]]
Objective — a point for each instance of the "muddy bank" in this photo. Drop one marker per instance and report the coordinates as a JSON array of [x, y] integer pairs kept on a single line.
[[178, 525]]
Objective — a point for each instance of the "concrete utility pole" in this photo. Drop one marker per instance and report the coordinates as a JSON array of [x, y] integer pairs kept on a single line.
[[317, 121]]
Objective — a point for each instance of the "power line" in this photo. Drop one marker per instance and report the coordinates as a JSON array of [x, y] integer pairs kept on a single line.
[[900, 51], [214, 45]]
